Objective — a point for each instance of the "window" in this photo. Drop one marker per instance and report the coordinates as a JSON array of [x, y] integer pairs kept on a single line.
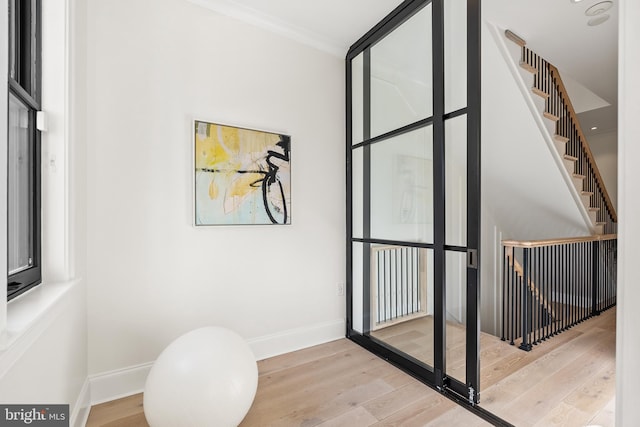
[[24, 261]]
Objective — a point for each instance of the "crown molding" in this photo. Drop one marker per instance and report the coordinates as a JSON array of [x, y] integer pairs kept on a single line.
[[273, 24]]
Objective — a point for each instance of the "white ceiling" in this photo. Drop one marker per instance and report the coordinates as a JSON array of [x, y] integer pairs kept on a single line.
[[555, 29], [330, 25]]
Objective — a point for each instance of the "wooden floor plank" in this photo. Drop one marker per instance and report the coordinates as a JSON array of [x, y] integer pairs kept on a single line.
[[356, 417], [596, 391], [607, 416], [544, 396], [458, 417], [111, 413], [544, 367], [300, 357], [396, 400], [562, 415], [419, 413]]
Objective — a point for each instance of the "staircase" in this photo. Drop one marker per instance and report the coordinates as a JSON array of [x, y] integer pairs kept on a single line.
[[551, 285], [552, 100]]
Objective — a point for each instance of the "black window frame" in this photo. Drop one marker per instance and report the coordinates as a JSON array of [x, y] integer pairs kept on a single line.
[[25, 84]]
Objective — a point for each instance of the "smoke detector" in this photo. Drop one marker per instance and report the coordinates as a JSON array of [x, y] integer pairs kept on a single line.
[[598, 20], [599, 9]]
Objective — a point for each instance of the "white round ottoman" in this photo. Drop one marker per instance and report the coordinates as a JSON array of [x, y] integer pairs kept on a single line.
[[206, 377]]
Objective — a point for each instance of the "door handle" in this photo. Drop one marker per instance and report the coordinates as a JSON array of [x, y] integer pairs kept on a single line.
[[472, 258]]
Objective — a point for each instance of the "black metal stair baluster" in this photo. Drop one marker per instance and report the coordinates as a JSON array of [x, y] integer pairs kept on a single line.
[[504, 292], [514, 290], [526, 309]]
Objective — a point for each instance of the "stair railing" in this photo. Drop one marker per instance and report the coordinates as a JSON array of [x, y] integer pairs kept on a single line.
[[398, 285], [549, 286], [558, 107]]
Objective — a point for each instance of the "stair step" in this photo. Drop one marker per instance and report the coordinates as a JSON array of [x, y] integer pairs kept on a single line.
[[560, 138], [587, 193], [592, 209], [539, 92], [568, 157], [578, 176], [529, 68], [601, 223], [551, 116]]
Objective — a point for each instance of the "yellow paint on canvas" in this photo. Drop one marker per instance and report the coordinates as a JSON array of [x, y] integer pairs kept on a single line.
[[255, 144], [213, 189], [230, 136], [242, 185], [213, 151]]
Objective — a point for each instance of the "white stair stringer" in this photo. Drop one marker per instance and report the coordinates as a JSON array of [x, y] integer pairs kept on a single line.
[[556, 144]]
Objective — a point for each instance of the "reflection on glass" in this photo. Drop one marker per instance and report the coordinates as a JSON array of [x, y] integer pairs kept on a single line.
[[357, 288], [455, 55], [402, 187], [357, 191], [19, 194], [455, 154], [456, 314], [357, 99], [402, 299], [401, 75]]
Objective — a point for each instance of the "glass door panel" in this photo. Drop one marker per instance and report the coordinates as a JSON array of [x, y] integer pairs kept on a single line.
[[402, 299], [357, 192], [456, 314], [455, 154], [455, 55], [357, 99], [357, 287], [402, 187], [401, 75]]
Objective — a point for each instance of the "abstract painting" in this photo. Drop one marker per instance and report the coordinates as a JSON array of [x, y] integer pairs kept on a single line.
[[242, 176]]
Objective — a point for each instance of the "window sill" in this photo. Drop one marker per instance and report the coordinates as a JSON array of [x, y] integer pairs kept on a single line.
[[28, 316]]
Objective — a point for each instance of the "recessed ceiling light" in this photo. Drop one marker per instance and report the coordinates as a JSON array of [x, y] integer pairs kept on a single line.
[[598, 8], [594, 128], [598, 20], [575, 1]]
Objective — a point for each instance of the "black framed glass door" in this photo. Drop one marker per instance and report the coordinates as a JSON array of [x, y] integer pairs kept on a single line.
[[413, 172]]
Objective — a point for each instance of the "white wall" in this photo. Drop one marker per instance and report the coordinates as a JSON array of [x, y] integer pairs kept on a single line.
[[604, 147], [52, 368], [154, 66], [43, 356], [628, 316]]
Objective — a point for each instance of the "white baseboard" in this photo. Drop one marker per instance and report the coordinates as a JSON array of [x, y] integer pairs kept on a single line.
[[119, 383], [128, 381], [80, 414], [296, 339]]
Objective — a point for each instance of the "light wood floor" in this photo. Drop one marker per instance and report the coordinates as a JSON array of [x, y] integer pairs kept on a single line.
[[567, 381], [334, 384], [415, 338]]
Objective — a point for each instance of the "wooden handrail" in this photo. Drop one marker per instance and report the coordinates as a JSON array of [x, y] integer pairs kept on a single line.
[[560, 241], [515, 38], [585, 145]]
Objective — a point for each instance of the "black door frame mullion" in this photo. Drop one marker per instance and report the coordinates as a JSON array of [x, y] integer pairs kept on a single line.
[[349, 197], [366, 204], [473, 196], [439, 272]]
